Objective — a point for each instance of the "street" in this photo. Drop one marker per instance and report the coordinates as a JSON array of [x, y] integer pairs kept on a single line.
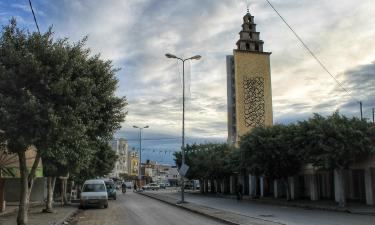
[[282, 214], [134, 209]]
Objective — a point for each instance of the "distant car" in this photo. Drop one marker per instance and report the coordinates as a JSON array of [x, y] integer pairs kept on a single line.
[[167, 184], [111, 189], [152, 186], [94, 193], [129, 184], [162, 186]]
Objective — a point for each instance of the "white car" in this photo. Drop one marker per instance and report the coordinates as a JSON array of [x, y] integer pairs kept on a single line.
[[152, 186], [94, 193]]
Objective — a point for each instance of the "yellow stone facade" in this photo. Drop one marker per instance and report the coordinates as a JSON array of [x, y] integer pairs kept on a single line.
[[249, 66], [248, 83]]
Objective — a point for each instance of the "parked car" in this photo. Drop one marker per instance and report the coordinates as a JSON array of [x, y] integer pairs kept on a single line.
[[111, 189], [162, 185], [152, 186], [94, 193]]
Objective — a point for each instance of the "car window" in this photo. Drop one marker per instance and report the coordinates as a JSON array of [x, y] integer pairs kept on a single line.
[[94, 188], [109, 186]]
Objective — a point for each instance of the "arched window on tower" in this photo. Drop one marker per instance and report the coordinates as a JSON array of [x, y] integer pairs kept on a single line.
[[256, 47], [247, 46]]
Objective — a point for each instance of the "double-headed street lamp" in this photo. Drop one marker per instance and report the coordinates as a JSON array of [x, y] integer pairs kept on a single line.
[[197, 57], [140, 151]]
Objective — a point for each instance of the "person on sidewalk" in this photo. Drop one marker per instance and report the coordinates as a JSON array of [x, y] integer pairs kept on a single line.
[[239, 191], [135, 187]]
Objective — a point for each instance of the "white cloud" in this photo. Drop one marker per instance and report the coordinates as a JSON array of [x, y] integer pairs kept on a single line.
[[136, 35]]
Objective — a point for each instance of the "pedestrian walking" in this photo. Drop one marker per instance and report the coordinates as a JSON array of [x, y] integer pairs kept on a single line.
[[135, 187]]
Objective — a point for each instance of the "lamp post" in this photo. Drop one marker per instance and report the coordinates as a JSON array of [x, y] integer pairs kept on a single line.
[[196, 57], [140, 152]]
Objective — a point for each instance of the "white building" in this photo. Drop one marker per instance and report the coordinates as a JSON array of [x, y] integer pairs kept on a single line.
[[120, 146], [173, 176]]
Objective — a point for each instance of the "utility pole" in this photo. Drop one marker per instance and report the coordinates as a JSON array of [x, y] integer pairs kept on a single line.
[[360, 106], [196, 57], [373, 115], [140, 153]]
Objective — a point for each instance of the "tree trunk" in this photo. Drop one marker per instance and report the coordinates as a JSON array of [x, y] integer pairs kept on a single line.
[[65, 183], [201, 186], [22, 218], [2, 190], [212, 185], [287, 189], [27, 181], [339, 187], [205, 185], [50, 189]]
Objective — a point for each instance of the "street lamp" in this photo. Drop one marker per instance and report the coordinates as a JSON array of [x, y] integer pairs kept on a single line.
[[196, 57], [140, 151]]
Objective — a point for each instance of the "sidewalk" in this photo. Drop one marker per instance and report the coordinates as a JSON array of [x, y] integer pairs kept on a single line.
[[355, 208], [12, 207], [36, 217], [255, 212], [217, 214]]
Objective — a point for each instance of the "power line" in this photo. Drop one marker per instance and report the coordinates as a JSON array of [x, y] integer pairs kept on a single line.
[[32, 10], [311, 52], [153, 139]]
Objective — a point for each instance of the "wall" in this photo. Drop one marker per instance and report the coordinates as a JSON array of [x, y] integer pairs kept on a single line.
[[12, 190], [252, 65]]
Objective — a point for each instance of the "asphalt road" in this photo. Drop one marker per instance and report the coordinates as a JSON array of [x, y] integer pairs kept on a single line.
[[134, 209], [282, 214]]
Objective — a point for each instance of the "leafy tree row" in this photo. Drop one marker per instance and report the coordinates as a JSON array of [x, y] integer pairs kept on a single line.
[[59, 98], [334, 142]]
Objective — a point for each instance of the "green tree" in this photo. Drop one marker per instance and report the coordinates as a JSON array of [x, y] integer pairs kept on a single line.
[[273, 152], [101, 164], [336, 142], [56, 97], [208, 161]]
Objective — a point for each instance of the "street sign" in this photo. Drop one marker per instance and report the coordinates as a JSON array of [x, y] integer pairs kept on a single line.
[[183, 170]]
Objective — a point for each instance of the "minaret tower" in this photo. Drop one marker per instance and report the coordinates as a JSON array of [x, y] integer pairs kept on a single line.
[[248, 83]]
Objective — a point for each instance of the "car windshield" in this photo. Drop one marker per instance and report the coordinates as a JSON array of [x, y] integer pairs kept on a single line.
[[109, 185], [93, 188]]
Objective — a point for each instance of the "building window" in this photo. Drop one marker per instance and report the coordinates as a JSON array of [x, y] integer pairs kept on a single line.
[[247, 46]]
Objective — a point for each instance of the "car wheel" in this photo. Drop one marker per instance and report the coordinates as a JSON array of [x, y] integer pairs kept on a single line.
[[106, 206], [114, 198]]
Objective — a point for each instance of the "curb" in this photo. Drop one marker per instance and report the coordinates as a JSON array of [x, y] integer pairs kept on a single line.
[[189, 209], [68, 217]]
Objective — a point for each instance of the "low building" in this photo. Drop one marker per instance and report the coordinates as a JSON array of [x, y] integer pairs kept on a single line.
[[10, 177], [173, 176]]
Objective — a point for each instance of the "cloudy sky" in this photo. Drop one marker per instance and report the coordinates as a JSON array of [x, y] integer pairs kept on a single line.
[[135, 35]]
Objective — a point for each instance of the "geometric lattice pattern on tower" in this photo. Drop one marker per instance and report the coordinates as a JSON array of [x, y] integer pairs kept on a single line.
[[254, 101]]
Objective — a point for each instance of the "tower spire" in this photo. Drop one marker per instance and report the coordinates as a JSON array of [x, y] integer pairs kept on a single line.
[[249, 37]]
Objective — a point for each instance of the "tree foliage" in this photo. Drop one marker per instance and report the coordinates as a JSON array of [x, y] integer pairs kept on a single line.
[[272, 151], [58, 97], [336, 142], [280, 151], [206, 160]]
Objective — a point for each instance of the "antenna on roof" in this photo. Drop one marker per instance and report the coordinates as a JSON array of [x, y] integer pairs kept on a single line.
[[247, 6]]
